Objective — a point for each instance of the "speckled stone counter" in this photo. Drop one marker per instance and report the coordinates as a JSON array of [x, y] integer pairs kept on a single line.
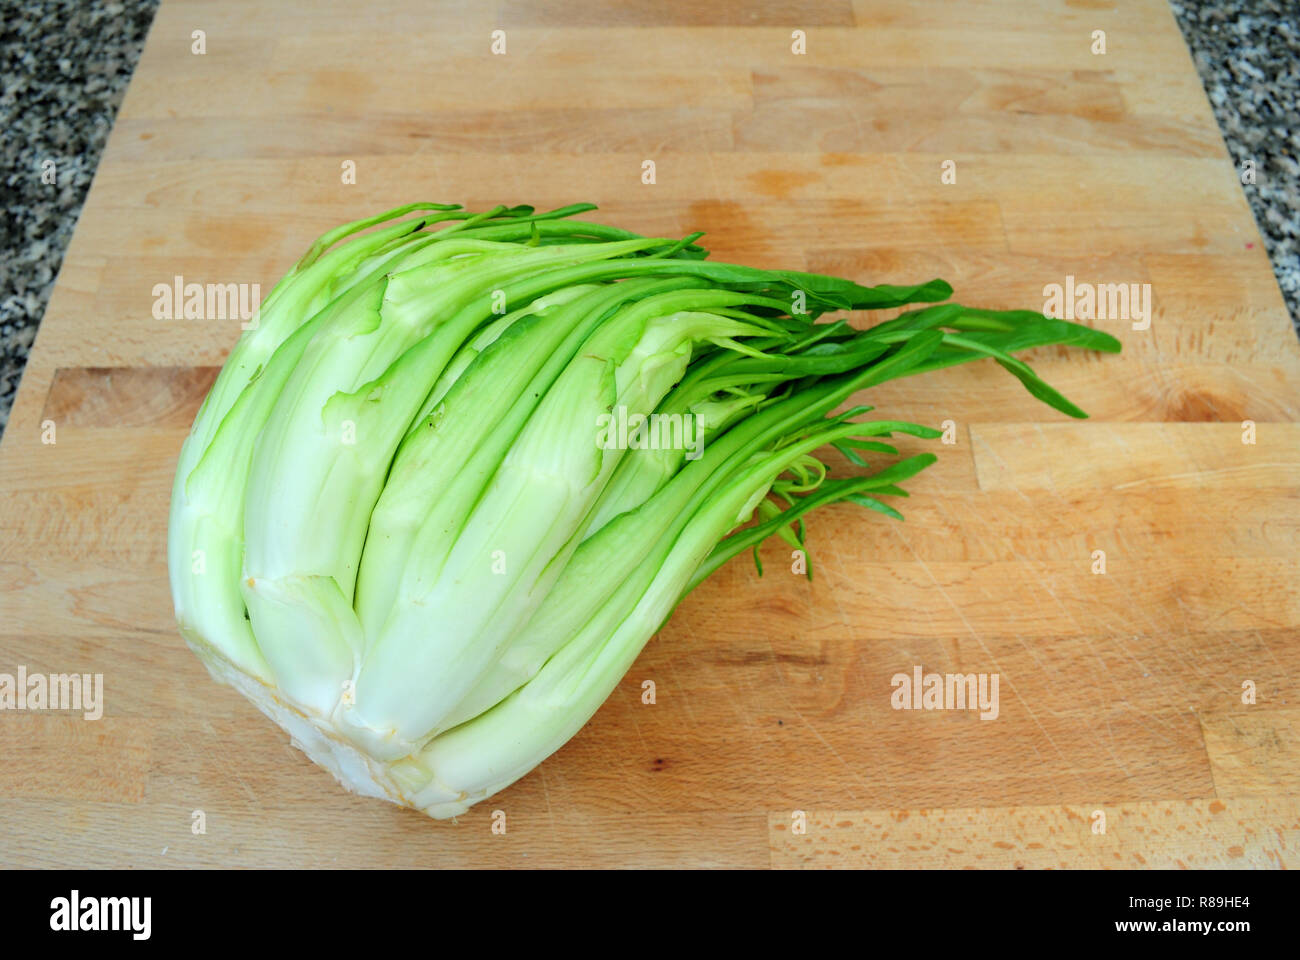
[[1248, 55], [66, 64]]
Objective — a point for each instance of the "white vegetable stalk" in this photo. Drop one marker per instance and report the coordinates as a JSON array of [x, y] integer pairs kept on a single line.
[[397, 527]]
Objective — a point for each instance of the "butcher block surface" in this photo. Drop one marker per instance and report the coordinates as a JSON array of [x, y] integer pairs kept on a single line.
[[1133, 579]]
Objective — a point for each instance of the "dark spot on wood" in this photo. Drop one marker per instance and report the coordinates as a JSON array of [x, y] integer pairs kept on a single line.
[[767, 656], [1201, 406], [127, 396]]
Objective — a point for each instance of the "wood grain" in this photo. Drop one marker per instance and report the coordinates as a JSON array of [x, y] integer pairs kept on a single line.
[[1121, 691], [1258, 833]]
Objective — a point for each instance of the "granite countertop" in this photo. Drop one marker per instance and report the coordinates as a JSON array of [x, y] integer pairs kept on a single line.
[[1248, 55], [66, 65]]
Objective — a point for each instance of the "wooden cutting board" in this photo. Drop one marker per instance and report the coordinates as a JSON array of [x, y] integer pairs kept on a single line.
[[772, 739]]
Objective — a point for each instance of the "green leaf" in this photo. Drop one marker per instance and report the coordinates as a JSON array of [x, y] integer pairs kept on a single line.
[[872, 503]]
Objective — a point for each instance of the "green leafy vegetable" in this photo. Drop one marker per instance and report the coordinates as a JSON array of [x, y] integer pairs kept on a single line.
[[466, 464]]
